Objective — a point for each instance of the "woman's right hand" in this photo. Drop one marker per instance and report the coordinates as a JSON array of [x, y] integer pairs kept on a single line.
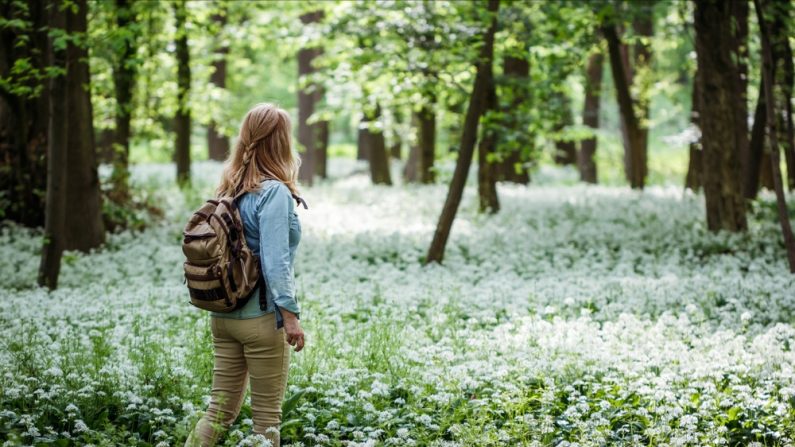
[[293, 331]]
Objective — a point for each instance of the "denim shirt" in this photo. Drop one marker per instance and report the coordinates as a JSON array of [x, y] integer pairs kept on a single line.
[[272, 231]]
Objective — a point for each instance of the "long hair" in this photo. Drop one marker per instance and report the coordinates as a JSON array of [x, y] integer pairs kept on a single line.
[[263, 150]]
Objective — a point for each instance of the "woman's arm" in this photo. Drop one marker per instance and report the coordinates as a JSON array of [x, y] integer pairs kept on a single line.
[[273, 212]]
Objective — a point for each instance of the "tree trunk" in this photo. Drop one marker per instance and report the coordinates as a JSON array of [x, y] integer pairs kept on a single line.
[[758, 170], [24, 120], [769, 39], [375, 147], [217, 143], [635, 139], [624, 51], [487, 181], [725, 203], [695, 168], [396, 145], [362, 142], [784, 28], [516, 72], [565, 150], [590, 118], [308, 134], [362, 152], [84, 228], [410, 171], [182, 119], [57, 159], [468, 137], [124, 72], [426, 119], [643, 26], [739, 41], [321, 150]]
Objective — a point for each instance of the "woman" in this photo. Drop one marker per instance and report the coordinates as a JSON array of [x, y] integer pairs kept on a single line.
[[253, 342]]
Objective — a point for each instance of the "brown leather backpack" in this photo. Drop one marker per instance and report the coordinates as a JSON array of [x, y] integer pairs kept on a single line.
[[220, 271]]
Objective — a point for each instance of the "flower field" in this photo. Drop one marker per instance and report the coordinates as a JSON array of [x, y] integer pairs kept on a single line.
[[577, 316]]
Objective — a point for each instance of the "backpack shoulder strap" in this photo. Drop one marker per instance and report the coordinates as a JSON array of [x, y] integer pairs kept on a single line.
[[300, 201]]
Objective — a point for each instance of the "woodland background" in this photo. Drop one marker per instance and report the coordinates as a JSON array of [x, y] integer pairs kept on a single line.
[[624, 232]]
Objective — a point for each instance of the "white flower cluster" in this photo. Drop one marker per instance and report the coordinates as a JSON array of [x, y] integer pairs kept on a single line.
[[578, 315]]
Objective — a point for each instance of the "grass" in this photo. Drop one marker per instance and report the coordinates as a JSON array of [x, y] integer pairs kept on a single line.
[[579, 315]]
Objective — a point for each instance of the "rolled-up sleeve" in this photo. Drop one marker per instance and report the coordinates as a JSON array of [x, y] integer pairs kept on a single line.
[[273, 211]]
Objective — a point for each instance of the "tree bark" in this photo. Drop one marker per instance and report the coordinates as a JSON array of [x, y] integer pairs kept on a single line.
[[396, 145], [182, 119], [725, 203], [57, 159], [362, 150], [410, 169], [787, 88], [308, 134], [218, 143], [487, 181], [695, 168], [635, 139], [783, 28], [468, 137], [84, 228], [565, 150], [374, 145], [739, 41], [769, 71], [23, 119], [758, 170], [516, 72], [644, 27], [321, 150], [124, 72], [590, 118], [425, 121]]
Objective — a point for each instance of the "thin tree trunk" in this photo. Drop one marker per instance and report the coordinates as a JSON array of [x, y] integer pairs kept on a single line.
[[396, 145], [362, 142], [410, 171], [218, 143], [695, 168], [590, 118], [769, 71], [362, 152], [487, 181], [634, 136], [725, 203], [565, 150], [739, 12], [787, 85], [624, 51], [644, 27], [57, 158], [182, 119], [375, 147], [123, 80], [321, 149], [516, 72], [84, 228], [468, 138], [427, 155], [757, 163], [307, 97]]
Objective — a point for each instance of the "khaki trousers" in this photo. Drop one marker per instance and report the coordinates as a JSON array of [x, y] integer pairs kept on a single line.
[[245, 349]]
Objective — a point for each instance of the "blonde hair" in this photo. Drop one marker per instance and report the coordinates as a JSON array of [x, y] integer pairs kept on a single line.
[[263, 150]]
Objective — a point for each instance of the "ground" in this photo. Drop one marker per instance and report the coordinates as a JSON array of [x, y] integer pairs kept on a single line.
[[579, 315]]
